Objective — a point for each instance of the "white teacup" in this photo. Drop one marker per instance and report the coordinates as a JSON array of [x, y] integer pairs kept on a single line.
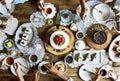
[[9, 60], [48, 10], [33, 58]]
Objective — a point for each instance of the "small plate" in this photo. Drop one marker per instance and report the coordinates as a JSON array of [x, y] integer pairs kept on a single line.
[[37, 19], [101, 12], [112, 53], [65, 67], [79, 45], [41, 64], [86, 72], [64, 21], [3, 37], [24, 66], [49, 5], [66, 37]]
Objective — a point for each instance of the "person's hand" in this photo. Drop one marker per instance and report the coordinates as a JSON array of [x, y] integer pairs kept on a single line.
[[51, 69], [40, 4], [17, 69], [84, 13], [6, 1], [106, 1], [36, 76]]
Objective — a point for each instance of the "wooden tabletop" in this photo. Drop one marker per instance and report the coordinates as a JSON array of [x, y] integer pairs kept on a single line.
[[22, 13]]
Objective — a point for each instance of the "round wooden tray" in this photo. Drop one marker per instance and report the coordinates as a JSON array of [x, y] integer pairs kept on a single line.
[[91, 43], [55, 51]]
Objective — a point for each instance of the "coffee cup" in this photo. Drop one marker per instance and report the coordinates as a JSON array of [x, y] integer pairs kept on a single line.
[[80, 35], [48, 10], [20, 54], [33, 58], [68, 59], [9, 60]]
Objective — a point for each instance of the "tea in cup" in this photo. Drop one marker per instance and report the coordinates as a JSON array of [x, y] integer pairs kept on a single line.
[[73, 27], [20, 54], [48, 11], [79, 35], [9, 60], [68, 59]]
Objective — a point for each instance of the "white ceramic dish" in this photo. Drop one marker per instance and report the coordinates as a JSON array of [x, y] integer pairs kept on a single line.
[[37, 19], [32, 36], [24, 66], [41, 64], [80, 45], [49, 5], [101, 12], [86, 72], [111, 52], [3, 37], [62, 22], [66, 37], [65, 66]]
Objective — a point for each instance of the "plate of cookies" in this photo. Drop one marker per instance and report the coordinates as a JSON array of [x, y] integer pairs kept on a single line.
[[114, 49], [25, 36]]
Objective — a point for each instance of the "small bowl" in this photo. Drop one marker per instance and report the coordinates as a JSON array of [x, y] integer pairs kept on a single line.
[[61, 66], [80, 35], [9, 44], [80, 45]]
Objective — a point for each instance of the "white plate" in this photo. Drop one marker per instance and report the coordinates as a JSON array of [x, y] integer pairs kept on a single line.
[[101, 12], [79, 45], [32, 36], [61, 62], [49, 5], [24, 68], [66, 37], [111, 52], [2, 56], [2, 39], [41, 64], [12, 25], [86, 74], [37, 19], [70, 15]]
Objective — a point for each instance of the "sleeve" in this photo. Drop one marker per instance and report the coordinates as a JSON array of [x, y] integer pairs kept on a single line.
[[70, 79], [19, 1]]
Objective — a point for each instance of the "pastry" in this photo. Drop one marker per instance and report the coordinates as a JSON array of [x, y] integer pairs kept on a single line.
[[28, 30], [25, 36], [23, 43], [60, 67]]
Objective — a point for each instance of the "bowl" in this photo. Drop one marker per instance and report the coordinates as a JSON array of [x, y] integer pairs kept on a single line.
[[9, 44]]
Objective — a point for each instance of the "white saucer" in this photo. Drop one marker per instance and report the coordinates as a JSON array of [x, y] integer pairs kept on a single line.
[[49, 5], [24, 68]]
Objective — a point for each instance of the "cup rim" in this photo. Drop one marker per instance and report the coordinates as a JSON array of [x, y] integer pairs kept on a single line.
[[31, 60]]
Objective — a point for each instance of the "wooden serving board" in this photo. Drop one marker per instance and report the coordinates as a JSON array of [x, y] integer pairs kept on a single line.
[[53, 50], [94, 45]]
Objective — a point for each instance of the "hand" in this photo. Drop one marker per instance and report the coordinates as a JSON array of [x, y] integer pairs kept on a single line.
[[36, 76], [51, 69], [106, 1], [6, 1], [17, 69], [40, 4], [84, 13]]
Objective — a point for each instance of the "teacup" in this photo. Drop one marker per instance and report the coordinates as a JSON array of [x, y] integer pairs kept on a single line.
[[48, 10], [65, 17], [80, 35], [9, 60], [68, 59], [33, 58]]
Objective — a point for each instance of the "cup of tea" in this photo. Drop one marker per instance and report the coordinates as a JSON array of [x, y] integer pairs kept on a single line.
[[9, 60], [20, 54], [33, 58], [48, 10], [103, 72]]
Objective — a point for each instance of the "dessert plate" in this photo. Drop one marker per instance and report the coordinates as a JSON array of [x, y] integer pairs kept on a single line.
[[24, 65], [37, 19], [112, 52], [31, 37], [66, 20], [49, 5], [65, 36], [101, 12]]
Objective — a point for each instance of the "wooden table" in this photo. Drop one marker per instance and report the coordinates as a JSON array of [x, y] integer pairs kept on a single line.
[[23, 12]]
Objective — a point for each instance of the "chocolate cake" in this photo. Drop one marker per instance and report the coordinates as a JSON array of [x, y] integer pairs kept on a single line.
[[99, 37]]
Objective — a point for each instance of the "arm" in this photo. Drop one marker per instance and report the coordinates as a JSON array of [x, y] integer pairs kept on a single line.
[[107, 1], [51, 69], [84, 9], [18, 71]]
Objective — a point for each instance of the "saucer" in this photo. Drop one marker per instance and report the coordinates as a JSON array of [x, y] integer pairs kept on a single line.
[[49, 5], [79, 45]]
